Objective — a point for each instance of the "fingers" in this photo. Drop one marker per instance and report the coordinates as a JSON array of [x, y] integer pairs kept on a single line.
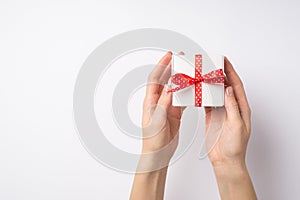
[[163, 104], [154, 88], [165, 99], [167, 72], [160, 67], [231, 105], [165, 75], [237, 85]]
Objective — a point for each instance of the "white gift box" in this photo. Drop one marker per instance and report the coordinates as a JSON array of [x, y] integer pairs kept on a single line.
[[212, 94]]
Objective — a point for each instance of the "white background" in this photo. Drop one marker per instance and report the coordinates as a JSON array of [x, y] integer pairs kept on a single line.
[[44, 43]]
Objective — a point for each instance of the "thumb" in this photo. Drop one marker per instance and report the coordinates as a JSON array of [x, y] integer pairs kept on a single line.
[[231, 105]]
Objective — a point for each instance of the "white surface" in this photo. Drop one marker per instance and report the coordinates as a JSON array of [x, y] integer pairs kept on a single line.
[[212, 95], [108, 85], [44, 43]]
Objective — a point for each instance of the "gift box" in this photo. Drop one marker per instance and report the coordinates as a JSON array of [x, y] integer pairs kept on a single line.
[[199, 82]]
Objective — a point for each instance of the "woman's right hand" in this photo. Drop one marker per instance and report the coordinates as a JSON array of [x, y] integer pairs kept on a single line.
[[228, 154], [231, 146]]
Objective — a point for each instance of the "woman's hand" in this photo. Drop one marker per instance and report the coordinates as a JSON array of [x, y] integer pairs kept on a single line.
[[231, 146], [228, 154], [160, 124], [161, 121]]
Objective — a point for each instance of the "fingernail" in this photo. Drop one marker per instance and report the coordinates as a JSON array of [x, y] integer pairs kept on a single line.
[[181, 53], [229, 91], [170, 52]]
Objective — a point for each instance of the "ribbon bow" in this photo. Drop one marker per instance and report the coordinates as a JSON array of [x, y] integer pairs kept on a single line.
[[215, 77]]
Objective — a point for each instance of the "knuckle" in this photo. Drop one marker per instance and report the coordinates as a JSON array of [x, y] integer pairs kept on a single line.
[[247, 110], [240, 126], [232, 106], [249, 129]]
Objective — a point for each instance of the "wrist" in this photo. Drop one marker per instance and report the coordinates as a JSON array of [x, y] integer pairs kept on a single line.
[[154, 176], [234, 182], [227, 171], [149, 185], [152, 162]]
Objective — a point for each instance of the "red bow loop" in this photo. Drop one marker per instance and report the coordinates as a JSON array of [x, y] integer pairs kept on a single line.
[[182, 81]]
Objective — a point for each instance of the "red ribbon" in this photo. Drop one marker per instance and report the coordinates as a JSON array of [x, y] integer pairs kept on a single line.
[[215, 77]]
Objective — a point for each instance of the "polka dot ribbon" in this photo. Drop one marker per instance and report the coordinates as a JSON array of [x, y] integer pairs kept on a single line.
[[182, 81]]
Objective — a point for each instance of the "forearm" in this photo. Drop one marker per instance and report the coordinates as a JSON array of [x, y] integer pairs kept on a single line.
[[149, 185], [234, 182], [149, 181]]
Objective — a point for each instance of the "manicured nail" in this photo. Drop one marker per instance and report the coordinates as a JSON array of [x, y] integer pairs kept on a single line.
[[181, 53], [229, 91]]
